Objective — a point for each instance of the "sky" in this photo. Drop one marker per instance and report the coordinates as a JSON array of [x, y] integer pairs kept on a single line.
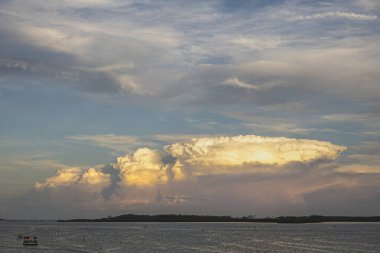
[[260, 107]]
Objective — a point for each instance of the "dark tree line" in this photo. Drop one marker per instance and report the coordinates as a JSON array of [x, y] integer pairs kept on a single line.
[[211, 218]]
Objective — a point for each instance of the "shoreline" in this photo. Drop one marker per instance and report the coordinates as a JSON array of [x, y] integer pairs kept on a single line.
[[209, 218]]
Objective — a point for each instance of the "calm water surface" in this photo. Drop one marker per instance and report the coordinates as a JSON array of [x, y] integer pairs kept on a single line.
[[191, 237]]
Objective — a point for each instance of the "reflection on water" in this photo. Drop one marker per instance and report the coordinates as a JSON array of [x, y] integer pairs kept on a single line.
[[191, 237]]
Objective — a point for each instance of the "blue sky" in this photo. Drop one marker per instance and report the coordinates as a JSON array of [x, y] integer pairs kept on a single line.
[[84, 83]]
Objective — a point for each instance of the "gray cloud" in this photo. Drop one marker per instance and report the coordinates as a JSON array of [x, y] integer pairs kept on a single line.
[[94, 46], [97, 57]]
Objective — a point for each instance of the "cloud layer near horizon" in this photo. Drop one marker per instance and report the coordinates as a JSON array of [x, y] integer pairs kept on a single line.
[[170, 176]]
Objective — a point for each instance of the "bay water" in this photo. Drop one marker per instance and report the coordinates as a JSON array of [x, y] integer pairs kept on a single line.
[[189, 237]]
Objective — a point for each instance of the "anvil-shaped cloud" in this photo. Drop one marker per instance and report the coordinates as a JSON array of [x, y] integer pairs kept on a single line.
[[240, 150], [150, 174]]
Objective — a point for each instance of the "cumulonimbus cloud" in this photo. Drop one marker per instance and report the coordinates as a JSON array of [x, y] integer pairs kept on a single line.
[[239, 150], [91, 179], [146, 168], [187, 173]]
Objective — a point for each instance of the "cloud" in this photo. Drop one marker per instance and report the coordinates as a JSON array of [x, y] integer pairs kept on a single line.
[[54, 39], [94, 177], [357, 117], [63, 177], [285, 77], [371, 120], [280, 124], [365, 124], [209, 174], [235, 82], [177, 137], [359, 168], [367, 4], [112, 141], [238, 151], [176, 174], [167, 53], [337, 14], [364, 158], [205, 60], [91, 179], [260, 43], [144, 167], [89, 3], [36, 163], [15, 64], [76, 188], [76, 46]]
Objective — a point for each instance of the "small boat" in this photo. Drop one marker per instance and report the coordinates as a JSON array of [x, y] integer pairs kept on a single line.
[[30, 241], [19, 236]]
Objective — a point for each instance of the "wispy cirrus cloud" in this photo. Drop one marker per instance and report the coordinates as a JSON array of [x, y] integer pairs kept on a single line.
[[71, 43], [235, 82], [352, 117], [337, 14], [367, 4], [176, 137], [156, 43], [112, 141]]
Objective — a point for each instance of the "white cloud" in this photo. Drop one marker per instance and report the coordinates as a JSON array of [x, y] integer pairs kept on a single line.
[[144, 167], [201, 156], [64, 177], [129, 84], [91, 180], [93, 177], [55, 39], [72, 184], [210, 155], [336, 14], [235, 82], [213, 168]]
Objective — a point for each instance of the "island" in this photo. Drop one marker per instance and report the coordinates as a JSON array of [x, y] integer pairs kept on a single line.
[[227, 218]]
